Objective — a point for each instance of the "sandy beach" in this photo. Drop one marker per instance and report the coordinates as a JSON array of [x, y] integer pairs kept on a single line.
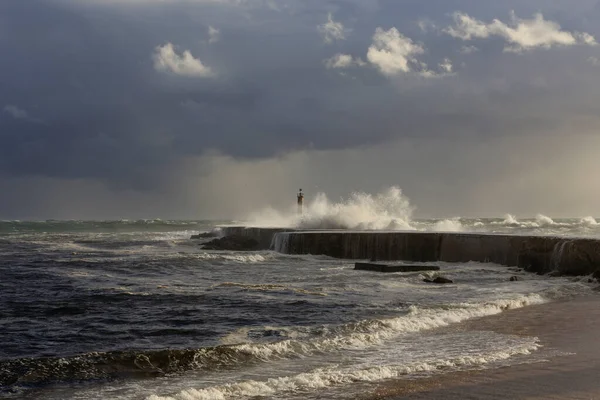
[[568, 331]]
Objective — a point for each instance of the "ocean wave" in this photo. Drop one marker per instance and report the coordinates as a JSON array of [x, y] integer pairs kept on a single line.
[[352, 336], [543, 220], [389, 209], [362, 334], [588, 221], [123, 225], [448, 225], [251, 258], [266, 287], [322, 378], [392, 210]]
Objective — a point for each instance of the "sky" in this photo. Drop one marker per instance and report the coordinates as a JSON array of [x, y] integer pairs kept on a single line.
[[217, 108]]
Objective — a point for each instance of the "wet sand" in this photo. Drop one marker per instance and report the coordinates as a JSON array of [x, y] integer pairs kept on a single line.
[[569, 327]]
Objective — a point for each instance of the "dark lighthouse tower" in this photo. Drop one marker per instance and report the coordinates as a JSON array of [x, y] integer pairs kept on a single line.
[[300, 201]]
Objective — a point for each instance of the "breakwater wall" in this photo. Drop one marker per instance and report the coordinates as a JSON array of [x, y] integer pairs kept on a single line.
[[264, 236], [541, 254]]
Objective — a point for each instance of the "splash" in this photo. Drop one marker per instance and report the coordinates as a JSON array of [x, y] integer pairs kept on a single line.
[[510, 220], [448, 225], [588, 221], [389, 210], [543, 220]]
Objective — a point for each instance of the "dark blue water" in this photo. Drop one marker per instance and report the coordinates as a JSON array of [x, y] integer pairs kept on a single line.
[[137, 309]]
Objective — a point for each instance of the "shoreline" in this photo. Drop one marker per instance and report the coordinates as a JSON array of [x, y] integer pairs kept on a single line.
[[569, 326]]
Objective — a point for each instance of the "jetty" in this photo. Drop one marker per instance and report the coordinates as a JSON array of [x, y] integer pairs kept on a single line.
[[539, 254]]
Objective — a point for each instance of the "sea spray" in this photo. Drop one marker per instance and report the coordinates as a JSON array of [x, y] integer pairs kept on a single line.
[[588, 221], [389, 210], [448, 225], [510, 220], [543, 220]]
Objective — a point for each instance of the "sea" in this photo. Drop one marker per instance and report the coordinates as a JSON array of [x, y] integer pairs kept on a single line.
[[138, 310]]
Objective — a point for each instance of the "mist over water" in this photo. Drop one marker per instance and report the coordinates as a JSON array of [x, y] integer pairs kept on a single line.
[[390, 209]]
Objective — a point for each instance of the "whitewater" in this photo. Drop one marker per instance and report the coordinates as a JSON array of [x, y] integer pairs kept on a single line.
[[392, 210], [135, 309]]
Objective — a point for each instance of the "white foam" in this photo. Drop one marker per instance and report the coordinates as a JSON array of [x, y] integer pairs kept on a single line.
[[367, 333], [334, 376], [510, 220], [389, 209], [448, 225], [588, 221], [239, 258], [543, 220]]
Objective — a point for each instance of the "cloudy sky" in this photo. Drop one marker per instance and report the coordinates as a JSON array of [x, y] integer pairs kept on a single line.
[[214, 108]]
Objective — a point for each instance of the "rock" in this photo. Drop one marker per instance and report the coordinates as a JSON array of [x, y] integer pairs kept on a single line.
[[439, 280], [514, 278], [235, 243], [394, 268]]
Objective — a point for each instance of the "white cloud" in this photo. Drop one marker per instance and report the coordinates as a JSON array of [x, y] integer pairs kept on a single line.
[[586, 38], [343, 61], [15, 112], [468, 49], [18, 113], [213, 34], [167, 60], [594, 61], [521, 34], [446, 66], [426, 25], [392, 53], [332, 30]]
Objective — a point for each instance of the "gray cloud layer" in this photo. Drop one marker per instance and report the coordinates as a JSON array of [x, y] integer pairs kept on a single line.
[[129, 117]]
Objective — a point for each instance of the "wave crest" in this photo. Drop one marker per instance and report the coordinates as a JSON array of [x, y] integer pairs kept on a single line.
[[389, 210], [351, 336]]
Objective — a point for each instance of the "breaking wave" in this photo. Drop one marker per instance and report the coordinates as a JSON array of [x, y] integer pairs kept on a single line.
[[510, 220], [234, 257], [543, 220], [389, 210], [392, 210], [321, 378], [588, 221], [448, 225], [351, 336]]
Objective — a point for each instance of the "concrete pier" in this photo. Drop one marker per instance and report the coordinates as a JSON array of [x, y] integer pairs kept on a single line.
[[541, 254]]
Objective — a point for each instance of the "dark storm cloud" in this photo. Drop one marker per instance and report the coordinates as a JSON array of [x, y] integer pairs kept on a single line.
[[86, 70]]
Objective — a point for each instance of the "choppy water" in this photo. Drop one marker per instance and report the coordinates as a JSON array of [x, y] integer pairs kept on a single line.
[[136, 310]]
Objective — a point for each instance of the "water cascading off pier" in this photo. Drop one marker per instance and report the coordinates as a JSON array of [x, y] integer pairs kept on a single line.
[[541, 254]]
